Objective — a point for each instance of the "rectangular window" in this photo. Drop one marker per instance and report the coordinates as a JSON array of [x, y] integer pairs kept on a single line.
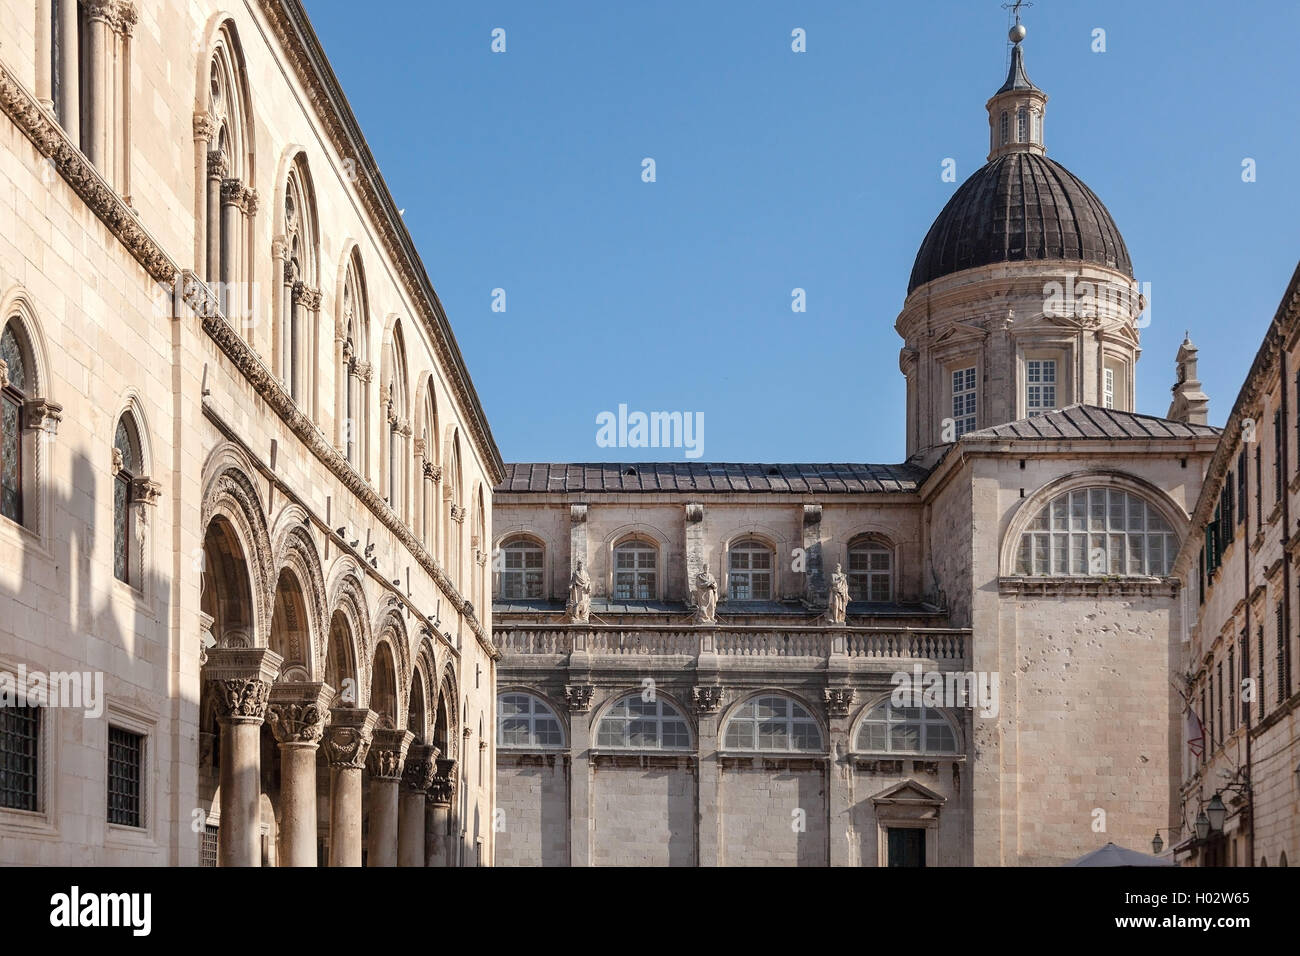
[[1022, 126], [1218, 713], [1040, 395], [1232, 689], [1283, 690], [1205, 730], [1200, 578], [1259, 488], [1278, 454], [20, 741], [208, 849], [125, 777], [963, 401], [1005, 129], [1108, 389], [1259, 665], [1241, 486]]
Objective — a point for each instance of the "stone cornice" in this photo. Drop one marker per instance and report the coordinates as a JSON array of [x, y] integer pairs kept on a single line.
[[302, 50]]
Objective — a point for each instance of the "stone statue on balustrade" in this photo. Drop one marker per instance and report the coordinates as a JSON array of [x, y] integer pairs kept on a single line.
[[578, 607], [839, 596]]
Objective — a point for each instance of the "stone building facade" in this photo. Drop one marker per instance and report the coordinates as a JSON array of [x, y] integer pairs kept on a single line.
[[699, 660], [1237, 655], [246, 478]]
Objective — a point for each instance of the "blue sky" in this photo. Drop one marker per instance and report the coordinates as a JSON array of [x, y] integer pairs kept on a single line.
[[821, 170]]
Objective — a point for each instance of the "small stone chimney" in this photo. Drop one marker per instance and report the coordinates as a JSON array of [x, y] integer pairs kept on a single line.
[[1190, 404]]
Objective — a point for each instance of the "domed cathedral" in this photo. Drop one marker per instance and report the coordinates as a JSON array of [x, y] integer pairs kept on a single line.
[[700, 660], [1022, 297]]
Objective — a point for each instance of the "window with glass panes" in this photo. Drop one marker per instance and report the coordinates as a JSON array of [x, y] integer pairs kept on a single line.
[[125, 443], [963, 400], [1108, 389], [521, 569], [1097, 531], [12, 396], [913, 730], [638, 724], [634, 571], [871, 572], [750, 574], [1022, 126], [525, 721], [1005, 129], [125, 777], [1040, 389], [772, 723], [20, 741]]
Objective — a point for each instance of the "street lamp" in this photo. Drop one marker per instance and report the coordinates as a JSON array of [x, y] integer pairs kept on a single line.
[[1157, 844], [1217, 811], [1202, 826]]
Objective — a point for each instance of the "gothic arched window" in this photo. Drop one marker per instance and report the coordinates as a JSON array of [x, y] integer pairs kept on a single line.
[[15, 387], [126, 468], [356, 373], [638, 724], [911, 730], [1097, 531], [749, 577], [525, 721], [772, 722], [521, 569]]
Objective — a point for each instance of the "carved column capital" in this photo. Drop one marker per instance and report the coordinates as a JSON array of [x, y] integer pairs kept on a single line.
[[388, 753], [217, 165], [347, 738], [421, 764], [205, 127], [432, 472], [43, 414], [240, 681], [299, 712], [578, 697], [838, 700], [145, 490], [364, 371], [310, 298], [708, 698], [443, 787]]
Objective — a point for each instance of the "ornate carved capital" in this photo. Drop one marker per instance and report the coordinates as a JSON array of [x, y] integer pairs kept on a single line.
[[404, 428], [388, 753], [299, 713], [578, 697], [240, 681], [217, 165], [125, 18], [365, 371], [708, 698], [417, 447], [205, 127], [838, 700], [443, 786], [145, 490], [241, 699], [457, 513], [116, 465], [309, 297], [347, 738], [251, 200], [432, 472], [421, 764], [279, 249], [43, 414]]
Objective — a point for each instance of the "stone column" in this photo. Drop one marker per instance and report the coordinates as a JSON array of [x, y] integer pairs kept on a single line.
[[217, 168], [69, 104], [99, 110], [437, 819], [387, 757], [417, 777], [232, 197], [44, 53], [240, 681], [298, 715], [708, 703], [839, 792], [578, 696], [347, 741]]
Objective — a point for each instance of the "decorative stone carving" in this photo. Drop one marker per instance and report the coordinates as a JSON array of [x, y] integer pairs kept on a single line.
[[217, 165], [251, 200], [365, 371], [309, 297], [205, 127], [348, 737], [299, 713], [232, 191], [706, 597], [839, 605], [708, 698], [240, 681], [432, 472], [443, 786], [694, 513], [421, 764], [388, 753], [4, 374], [41, 413], [241, 699], [145, 490], [457, 513], [578, 608], [578, 697], [838, 700]]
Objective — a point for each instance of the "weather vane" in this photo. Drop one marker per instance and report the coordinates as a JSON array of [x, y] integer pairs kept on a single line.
[[1015, 7]]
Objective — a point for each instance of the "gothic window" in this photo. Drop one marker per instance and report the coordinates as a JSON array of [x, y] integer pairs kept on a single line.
[[521, 569], [126, 468], [20, 764], [963, 400], [398, 414], [356, 324], [15, 387], [773, 723], [638, 724], [1040, 393], [1097, 531], [634, 571], [299, 298], [910, 730], [428, 469], [525, 721], [750, 575], [871, 571]]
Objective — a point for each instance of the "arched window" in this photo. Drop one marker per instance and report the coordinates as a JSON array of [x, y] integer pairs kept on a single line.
[[635, 564], [126, 469], [399, 424], [525, 721], [15, 387], [521, 569], [871, 571], [1035, 127], [1097, 531], [1022, 126], [355, 321], [300, 297], [228, 197], [1005, 130], [639, 724], [772, 723], [910, 730], [750, 575], [429, 471]]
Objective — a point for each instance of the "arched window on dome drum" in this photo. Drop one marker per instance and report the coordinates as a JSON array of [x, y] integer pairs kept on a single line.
[[910, 730], [1022, 126], [126, 468], [525, 721], [773, 723], [871, 572], [637, 724], [15, 386], [634, 571], [1097, 531], [521, 569], [1005, 130], [749, 576]]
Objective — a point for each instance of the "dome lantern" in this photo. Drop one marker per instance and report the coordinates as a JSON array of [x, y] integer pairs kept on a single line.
[[1017, 109]]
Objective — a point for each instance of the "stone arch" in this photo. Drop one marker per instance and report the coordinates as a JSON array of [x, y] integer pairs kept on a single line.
[[352, 359], [230, 494], [875, 700], [385, 692], [347, 653], [447, 713], [223, 50], [295, 551], [732, 709], [390, 631]]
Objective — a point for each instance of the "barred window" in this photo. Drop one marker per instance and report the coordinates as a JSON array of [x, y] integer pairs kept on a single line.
[[20, 741], [1097, 531], [525, 721], [913, 730], [208, 849], [871, 572], [963, 400], [750, 576], [125, 777], [634, 571], [773, 724], [521, 569], [638, 724], [1040, 393]]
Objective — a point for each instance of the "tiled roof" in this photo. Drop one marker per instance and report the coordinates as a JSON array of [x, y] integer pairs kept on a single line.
[[698, 477], [1090, 421]]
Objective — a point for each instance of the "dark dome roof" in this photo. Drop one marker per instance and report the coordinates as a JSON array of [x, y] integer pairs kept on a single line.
[[1020, 207]]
